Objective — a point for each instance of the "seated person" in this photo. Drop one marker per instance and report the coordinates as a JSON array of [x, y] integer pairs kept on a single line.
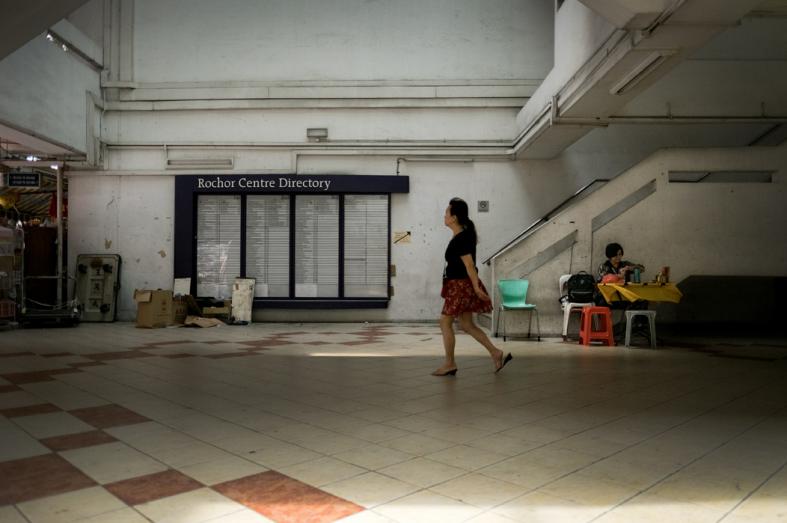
[[615, 263]]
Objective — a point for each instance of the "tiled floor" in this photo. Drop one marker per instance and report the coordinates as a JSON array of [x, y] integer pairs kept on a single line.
[[342, 422]]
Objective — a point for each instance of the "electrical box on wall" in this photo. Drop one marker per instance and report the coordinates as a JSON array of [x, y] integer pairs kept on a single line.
[[97, 285]]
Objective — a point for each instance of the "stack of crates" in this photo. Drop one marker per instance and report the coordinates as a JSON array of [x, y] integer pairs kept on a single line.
[[8, 274]]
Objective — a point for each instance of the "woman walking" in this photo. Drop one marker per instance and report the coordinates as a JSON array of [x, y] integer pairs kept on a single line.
[[462, 289]]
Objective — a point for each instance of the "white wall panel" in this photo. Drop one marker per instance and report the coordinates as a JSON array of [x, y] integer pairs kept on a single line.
[[203, 40]]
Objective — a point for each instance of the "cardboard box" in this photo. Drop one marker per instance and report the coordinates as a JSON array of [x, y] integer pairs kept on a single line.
[[179, 311], [226, 310], [154, 308]]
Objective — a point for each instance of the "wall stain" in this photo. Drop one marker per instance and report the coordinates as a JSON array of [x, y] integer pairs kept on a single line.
[[107, 243], [162, 253]]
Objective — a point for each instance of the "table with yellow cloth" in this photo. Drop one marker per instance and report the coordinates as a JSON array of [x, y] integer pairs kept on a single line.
[[654, 292]]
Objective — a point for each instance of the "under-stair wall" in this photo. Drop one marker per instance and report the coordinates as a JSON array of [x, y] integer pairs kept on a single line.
[[711, 228]]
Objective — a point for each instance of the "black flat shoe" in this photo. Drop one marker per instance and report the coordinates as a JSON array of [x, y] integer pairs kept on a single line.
[[507, 358], [451, 372]]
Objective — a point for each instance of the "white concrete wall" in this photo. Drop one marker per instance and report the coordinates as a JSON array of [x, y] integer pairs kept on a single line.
[[44, 90], [203, 40], [133, 216], [579, 33], [127, 215]]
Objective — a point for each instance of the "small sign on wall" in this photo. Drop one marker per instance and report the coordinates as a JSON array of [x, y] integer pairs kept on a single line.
[[30, 180], [401, 237]]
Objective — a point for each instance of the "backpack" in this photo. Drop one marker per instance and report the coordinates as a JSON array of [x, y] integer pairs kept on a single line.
[[581, 287]]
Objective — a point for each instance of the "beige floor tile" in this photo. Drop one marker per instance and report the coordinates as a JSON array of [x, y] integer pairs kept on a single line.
[[538, 507], [191, 507], [322, 471], [521, 472], [652, 508], [64, 396], [52, 424], [112, 462], [506, 445], [190, 454], [370, 489], [457, 433], [489, 517], [124, 515], [367, 516], [19, 398], [427, 507], [377, 432], [479, 490], [242, 516], [9, 514], [221, 470], [245, 442], [417, 444], [17, 444], [281, 455], [469, 458], [586, 490], [373, 457], [71, 506], [422, 472]]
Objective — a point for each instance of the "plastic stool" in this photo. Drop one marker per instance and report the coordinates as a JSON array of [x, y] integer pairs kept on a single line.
[[586, 332], [568, 308], [651, 315]]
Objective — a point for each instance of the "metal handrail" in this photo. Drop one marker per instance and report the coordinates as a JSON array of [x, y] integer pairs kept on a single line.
[[530, 228]]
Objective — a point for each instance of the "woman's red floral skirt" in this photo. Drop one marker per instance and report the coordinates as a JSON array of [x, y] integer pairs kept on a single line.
[[460, 297]]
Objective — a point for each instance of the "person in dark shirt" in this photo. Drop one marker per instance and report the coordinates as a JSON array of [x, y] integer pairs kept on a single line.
[[615, 263], [463, 291]]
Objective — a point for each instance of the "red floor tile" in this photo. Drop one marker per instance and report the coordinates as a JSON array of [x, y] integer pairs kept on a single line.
[[78, 441], [286, 500], [37, 477], [14, 354], [151, 487], [85, 364], [20, 378], [29, 410], [57, 354], [8, 388], [165, 343], [229, 355], [108, 416], [119, 355], [176, 356]]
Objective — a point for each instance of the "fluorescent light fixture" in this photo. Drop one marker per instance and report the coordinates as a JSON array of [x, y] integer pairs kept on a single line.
[[200, 163], [636, 75], [54, 167], [31, 158], [50, 37], [317, 134]]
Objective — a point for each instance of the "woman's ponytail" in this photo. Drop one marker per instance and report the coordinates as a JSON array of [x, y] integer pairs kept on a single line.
[[460, 210]]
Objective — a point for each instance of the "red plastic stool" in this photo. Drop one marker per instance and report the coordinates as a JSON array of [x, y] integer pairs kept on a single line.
[[586, 332]]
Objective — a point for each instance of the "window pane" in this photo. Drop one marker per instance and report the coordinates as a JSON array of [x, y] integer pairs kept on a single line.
[[268, 244], [316, 246], [366, 245], [218, 244]]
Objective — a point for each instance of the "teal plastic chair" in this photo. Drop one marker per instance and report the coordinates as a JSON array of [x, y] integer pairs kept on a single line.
[[513, 297]]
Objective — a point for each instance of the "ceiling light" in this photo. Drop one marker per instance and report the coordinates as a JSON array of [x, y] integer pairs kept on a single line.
[[32, 158], [50, 37], [54, 166]]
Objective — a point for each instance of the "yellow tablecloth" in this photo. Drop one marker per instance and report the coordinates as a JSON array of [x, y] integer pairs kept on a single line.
[[640, 291]]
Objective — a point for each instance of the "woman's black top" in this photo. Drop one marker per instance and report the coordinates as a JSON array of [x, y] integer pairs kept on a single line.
[[460, 245]]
